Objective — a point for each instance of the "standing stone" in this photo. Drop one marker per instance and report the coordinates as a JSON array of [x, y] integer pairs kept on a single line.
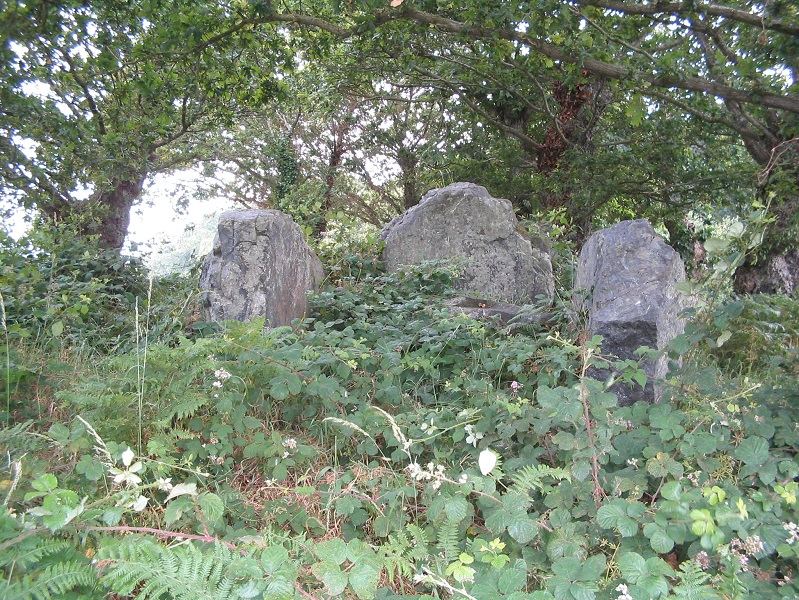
[[626, 278], [463, 221], [260, 266]]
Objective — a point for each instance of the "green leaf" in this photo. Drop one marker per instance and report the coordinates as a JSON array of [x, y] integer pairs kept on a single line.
[[364, 578], [658, 538], [45, 483], [273, 558], [632, 565], [211, 506], [716, 246], [752, 451], [333, 550], [636, 110], [523, 529], [648, 575], [456, 507], [176, 508], [280, 472], [615, 516], [513, 578], [332, 576], [90, 468], [57, 328], [346, 505]]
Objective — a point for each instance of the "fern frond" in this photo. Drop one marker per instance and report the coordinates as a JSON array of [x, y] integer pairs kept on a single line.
[[448, 539], [180, 573], [184, 407], [52, 582], [529, 478], [692, 583], [31, 551], [420, 543]]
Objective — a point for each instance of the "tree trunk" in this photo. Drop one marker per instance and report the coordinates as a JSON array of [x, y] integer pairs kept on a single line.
[[109, 212], [339, 146], [774, 267], [407, 163]]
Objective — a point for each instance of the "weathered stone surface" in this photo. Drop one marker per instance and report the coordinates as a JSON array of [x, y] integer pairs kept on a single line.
[[260, 266], [463, 221], [626, 278], [502, 313]]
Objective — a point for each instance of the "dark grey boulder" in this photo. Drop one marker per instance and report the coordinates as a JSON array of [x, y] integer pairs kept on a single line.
[[464, 222], [626, 282], [260, 266]]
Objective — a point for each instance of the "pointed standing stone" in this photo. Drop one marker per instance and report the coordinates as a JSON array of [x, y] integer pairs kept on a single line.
[[626, 281], [260, 266]]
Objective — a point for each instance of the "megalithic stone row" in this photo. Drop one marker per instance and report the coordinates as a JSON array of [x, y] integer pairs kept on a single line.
[[464, 222], [260, 266], [626, 282]]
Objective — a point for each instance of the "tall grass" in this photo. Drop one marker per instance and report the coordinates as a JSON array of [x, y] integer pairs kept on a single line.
[[141, 361], [8, 358]]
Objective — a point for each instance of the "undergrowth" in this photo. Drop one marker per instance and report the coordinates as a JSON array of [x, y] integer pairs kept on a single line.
[[388, 447]]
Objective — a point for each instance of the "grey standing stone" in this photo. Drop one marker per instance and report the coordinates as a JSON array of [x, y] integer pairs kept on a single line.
[[626, 278], [463, 221], [260, 265]]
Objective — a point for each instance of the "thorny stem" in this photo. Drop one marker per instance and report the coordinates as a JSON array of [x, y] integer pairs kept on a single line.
[[163, 533], [599, 491]]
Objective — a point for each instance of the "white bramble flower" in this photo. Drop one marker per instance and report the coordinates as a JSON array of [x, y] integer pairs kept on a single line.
[[165, 485], [463, 478], [432, 472], [290, 443], [222, 374], [127, 457], [140, 503], [127, 476], [472, 436], [217, 384], [793, 533], [624, 593]]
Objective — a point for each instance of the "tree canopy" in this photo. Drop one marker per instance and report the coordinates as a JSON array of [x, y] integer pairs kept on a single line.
[[596, 108]]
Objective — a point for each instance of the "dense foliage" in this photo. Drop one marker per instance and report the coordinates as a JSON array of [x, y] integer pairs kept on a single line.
[[596, 108], [386, 447]]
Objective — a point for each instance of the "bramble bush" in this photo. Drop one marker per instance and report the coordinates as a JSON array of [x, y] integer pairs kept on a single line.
[[387, 448]]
